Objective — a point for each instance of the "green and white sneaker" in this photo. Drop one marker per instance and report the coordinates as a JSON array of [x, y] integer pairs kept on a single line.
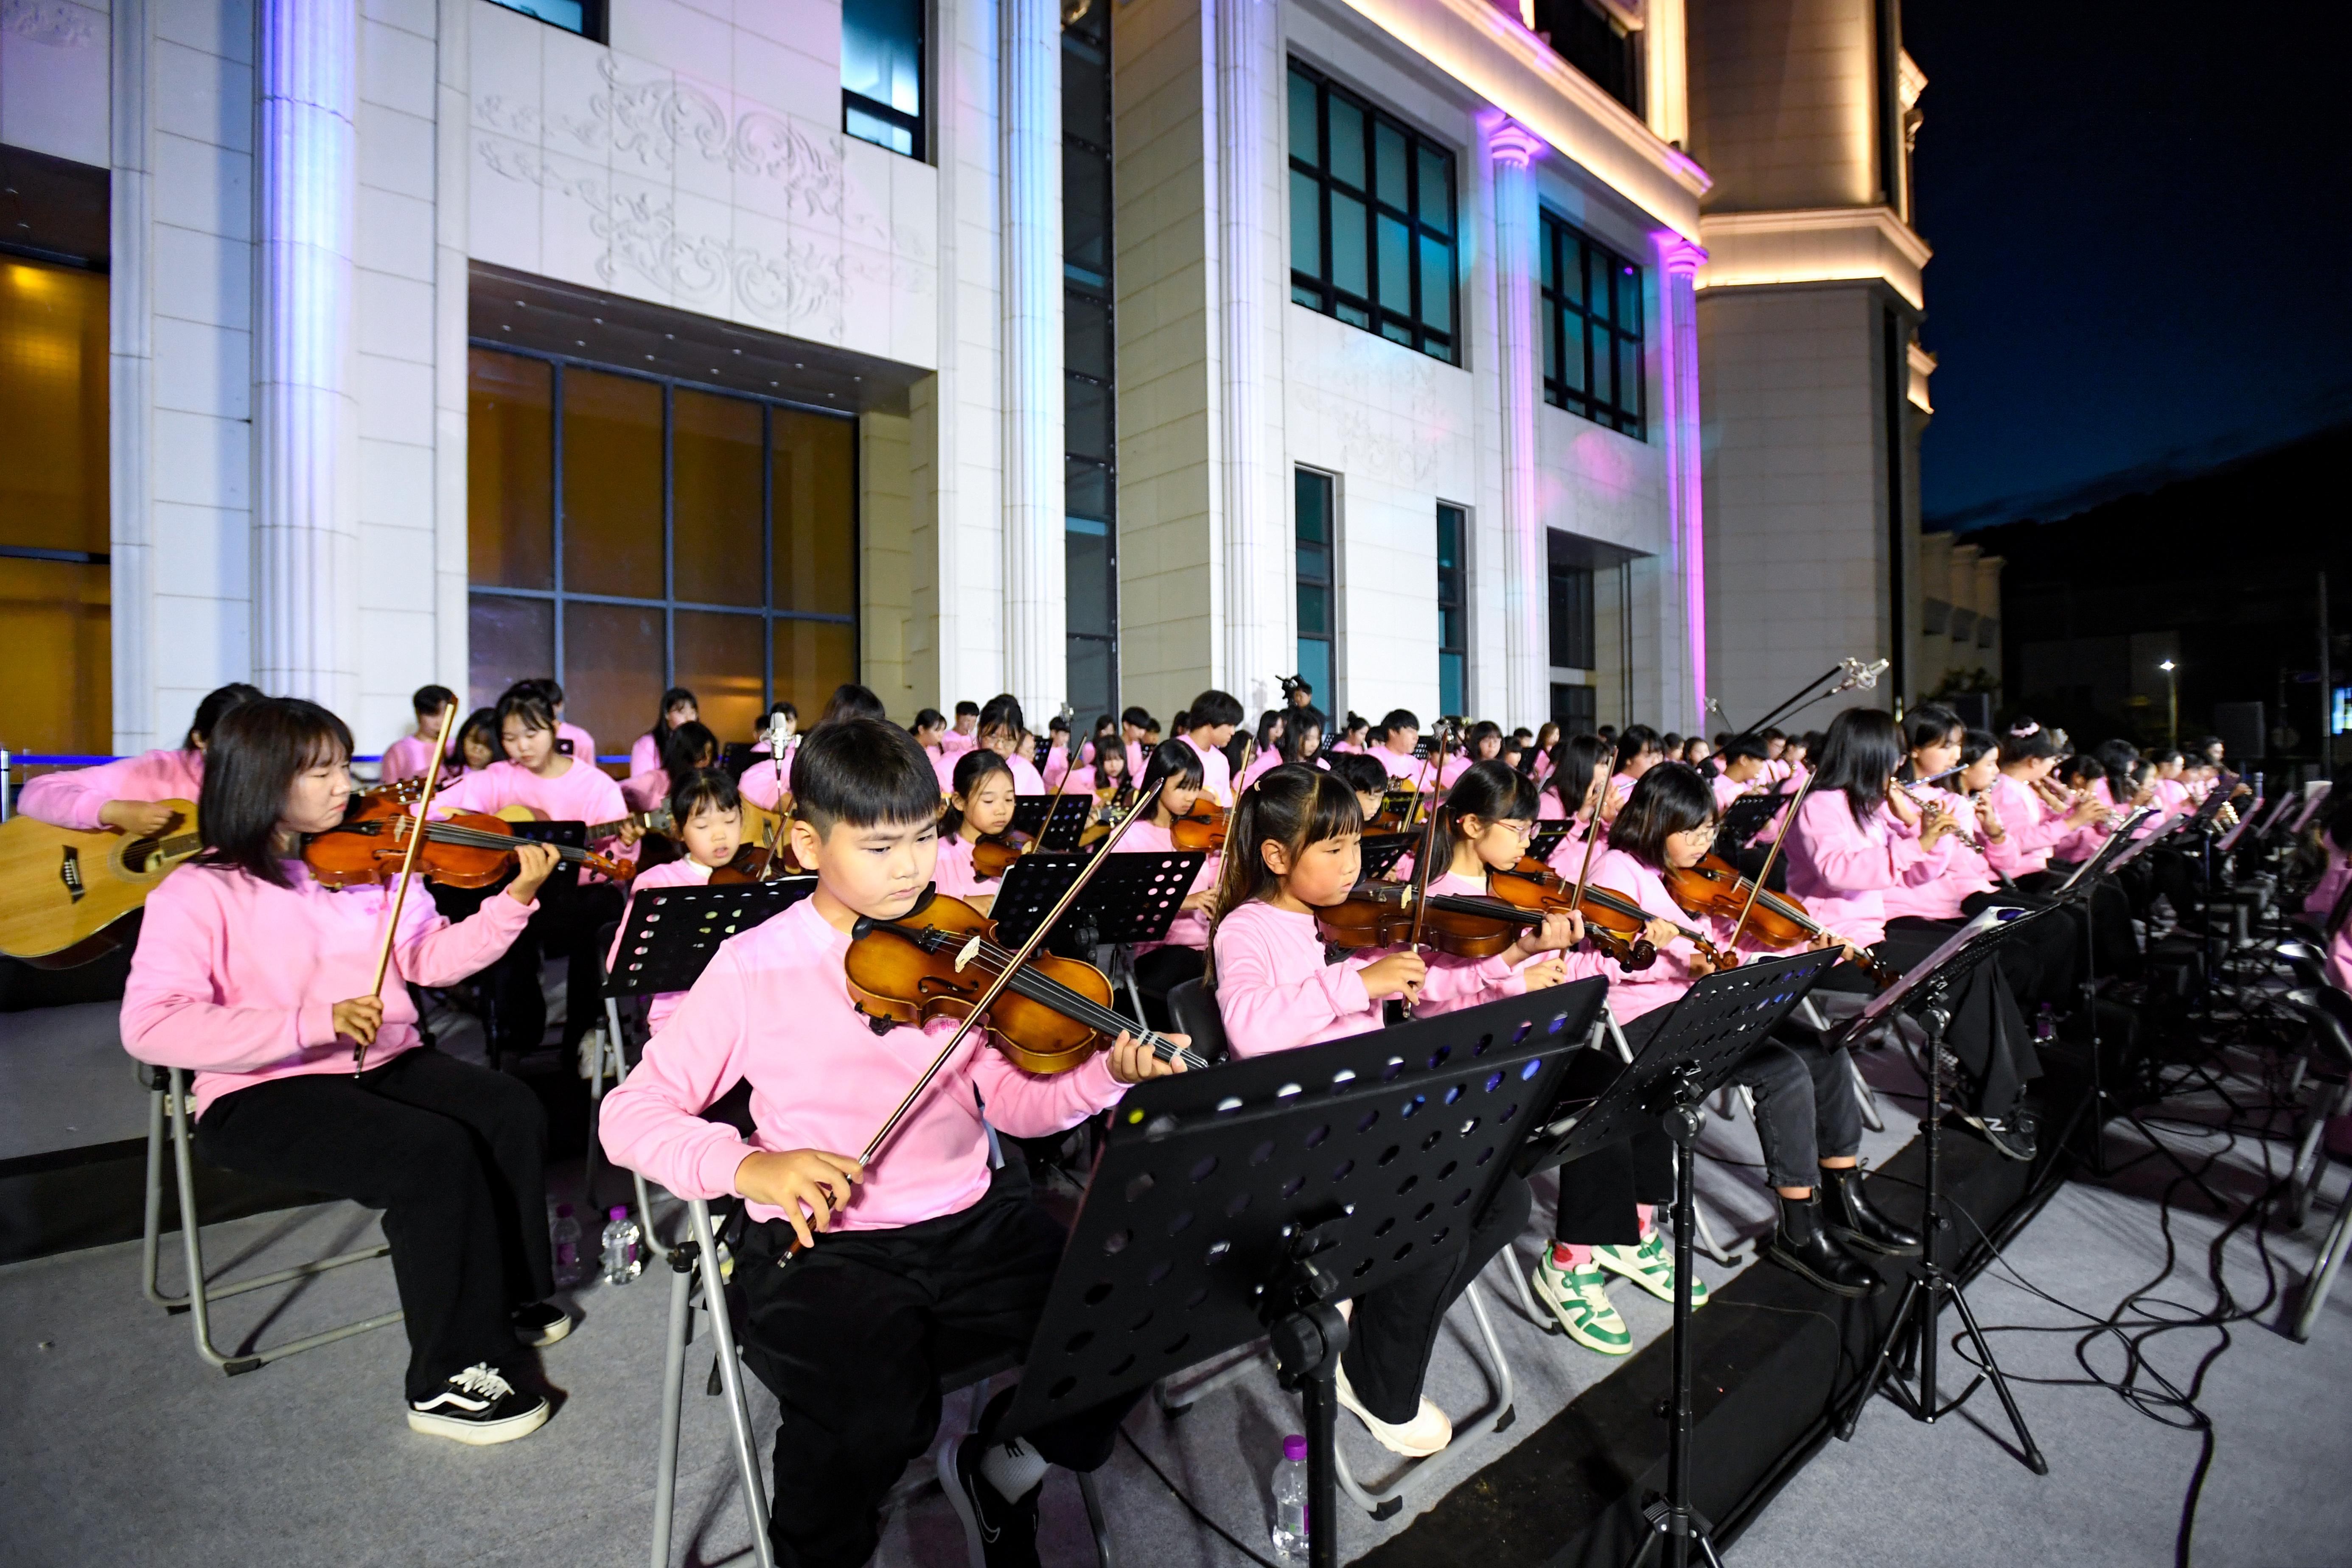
[[1580, 1300], [1651, 1266]]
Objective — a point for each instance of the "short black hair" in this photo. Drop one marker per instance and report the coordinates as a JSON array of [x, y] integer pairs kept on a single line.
[[1635, 739], [1669, 798], [1212, 708], [1739, 745], [1358, 773], [252, 756], [217, 701], [2026, 741], [427, 701], [682, 753], [1173, 759], [1002, 711], [929, 718], [850, 700], [970, 768], [964, 708], [1492, 791], [1138, 716], [484, 721], [1858, 755], [1399, 718], [703, 786], [528, 701], [864, 772], [1930, 724]]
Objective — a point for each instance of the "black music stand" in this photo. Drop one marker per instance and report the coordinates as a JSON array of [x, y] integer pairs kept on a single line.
[[1547, 839], [1711, 1030], [1250, 1201], [673, 933], [1054, 822], [1399, 801], [1380, 852], [1745, 818], [1135, 898], [1927, 988], [565, 877]]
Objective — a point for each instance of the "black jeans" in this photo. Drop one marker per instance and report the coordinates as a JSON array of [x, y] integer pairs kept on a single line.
[[564, 927], [1807, 1108], [1394, 1329], [450, 1151], [847, 1336], [1599, 1192]]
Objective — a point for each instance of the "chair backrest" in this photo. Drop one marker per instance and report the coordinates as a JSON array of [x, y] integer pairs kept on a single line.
[[2329, 1013], [1193, 1009]]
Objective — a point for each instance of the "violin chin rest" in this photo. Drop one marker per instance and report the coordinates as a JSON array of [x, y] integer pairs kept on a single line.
[[864, 923]]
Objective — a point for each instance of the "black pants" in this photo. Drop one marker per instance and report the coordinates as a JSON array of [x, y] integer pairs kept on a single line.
[[1988, 1032], [2049, 963], [1599, 1192], [564, 927], [450, 1151], [1807, 1108], [847, 1336], [1394, 1329], [2114, 948]]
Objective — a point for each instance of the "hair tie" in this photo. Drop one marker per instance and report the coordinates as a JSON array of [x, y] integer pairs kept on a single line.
[[2019, 732]]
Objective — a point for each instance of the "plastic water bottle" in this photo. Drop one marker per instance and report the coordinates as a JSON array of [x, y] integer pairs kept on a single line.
[[624, 1259], [563, 1245], [1290, 1501]]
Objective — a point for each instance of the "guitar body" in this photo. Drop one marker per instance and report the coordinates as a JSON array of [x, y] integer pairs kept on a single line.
[[60, 888]]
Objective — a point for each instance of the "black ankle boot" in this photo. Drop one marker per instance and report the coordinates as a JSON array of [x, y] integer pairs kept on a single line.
[[1847, 1213], [1801, 1246]]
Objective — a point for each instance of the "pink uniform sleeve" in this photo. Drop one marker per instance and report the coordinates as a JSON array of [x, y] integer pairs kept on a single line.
[[1263, 1012], [170, 1014], [652, 1123], [2030, 824], [644, 755], [75, 798], [1455, 983], [1848, 860], [431, 951], [1037, 1105]]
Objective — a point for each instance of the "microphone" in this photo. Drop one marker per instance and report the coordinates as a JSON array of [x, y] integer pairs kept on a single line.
[[1867, 674]]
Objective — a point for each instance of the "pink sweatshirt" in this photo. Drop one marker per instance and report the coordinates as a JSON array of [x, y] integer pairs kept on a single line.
[[1025, 778], [774, 1008], [238, 979], [74, 798], [1216, 772], [1403, 767], [1843, 869], [2321, 901], [1967, 872], [683, 872], [1634, 992], [1274, 989], [955, 742], [953, 873], [1190, 928], [1470, 981], [580, 793], [1569, 858], [407, 757], [764, 782], [645, 791], [1135, 758], [2034, 829], [1727, 789], [583, 745], [1264, 763], [645, 754]]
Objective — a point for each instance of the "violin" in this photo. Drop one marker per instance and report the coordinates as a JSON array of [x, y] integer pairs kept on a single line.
[[1615, 923], [937, 961], [1202, 828], [757, 862], [1715, 887], [1381, 914], [468, 850], [993, 856]]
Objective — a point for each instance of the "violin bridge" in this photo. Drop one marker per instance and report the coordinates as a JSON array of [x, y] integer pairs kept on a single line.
[[967, 952]]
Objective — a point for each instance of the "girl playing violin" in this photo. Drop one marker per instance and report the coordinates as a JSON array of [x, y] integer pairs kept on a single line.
[[1808, 1111], [709, 811], [1573, 794], [1292, 850], [980, 806], [255, 977], [1161, 966], [924, 1242], [1489, 816]]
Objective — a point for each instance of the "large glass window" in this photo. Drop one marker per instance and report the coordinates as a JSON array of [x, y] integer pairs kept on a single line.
[[1453, 609], [1573, 644], [1592, 330], [1372, 219], [585, 18], [1317, 525], [1596, 43], [882, 73], [54, 547], [627, 533], [1090, 462]]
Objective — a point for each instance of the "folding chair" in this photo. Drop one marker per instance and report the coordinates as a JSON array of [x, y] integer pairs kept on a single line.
[[605, 1046], [167, 1090], [2326, 1060]]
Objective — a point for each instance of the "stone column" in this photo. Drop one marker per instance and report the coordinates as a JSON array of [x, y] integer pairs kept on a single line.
[[1527, 654], [305, 429], [1678, 262], [1029, 142], [131, 366], [1259, 643]]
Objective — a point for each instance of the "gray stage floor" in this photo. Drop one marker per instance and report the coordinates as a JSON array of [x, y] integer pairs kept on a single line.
[[116, 1444]]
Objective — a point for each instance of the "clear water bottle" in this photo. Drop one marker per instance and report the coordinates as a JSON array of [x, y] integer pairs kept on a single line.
[[563, 1245], [1290, 1501], [625, 1256]]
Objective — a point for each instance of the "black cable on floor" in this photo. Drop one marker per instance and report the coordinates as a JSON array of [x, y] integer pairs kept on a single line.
[[1193, 1509]]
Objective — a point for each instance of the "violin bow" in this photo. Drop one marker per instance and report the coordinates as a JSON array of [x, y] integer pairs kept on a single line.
[[1601, 775], [1430, 765], [407, 872], [1004, 976], [1756, 888]]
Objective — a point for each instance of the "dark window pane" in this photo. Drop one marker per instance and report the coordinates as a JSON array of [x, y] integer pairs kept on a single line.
[[1086, 211], [817, 517], [56, 624], [1347, 141], [1348, 263], [1436, 192], [1086, 557], [1315, 667], [1396, 265], [1629, 375], [1086, 92], [1449, 683], [1548, 253], [1306, 143], [1085, 335], [1086, 489], [1090, 675], [1437, 347], [1315, 563], [714, 500], [612, 485], [507, 639], [1353, 314], [1311, 500], [882, 53], [1306, 224], [812, 658], [1571, 363], [1436, 284], [509, 471], [1572, 270], [1397, 330], [610, 651], [1300, 294], [1388, 159], [53, 408], [867, 126], [721, 660], [1550, 353], [1086, 418], [1314, 610]]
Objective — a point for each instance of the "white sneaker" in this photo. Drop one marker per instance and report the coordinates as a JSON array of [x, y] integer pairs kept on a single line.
[[1427, 1432]]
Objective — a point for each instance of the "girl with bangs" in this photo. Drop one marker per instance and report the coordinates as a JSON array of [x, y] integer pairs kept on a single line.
[[256, 978], [1162, 966]]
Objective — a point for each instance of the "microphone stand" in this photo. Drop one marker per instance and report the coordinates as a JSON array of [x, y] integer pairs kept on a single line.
[[1855, 671]]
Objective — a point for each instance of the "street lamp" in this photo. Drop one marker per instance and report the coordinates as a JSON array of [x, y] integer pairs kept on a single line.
[[2171, 703]]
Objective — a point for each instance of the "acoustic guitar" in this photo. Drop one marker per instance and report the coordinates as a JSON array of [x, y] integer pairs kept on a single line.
[[60, 888]]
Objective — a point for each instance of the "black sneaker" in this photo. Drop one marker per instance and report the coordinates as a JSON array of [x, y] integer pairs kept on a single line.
[[540, 1324], [478, 1407], [2012, 1135], [1001, 1534]]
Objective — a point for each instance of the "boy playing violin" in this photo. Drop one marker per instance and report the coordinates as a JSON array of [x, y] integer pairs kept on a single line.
[[925, 1238]]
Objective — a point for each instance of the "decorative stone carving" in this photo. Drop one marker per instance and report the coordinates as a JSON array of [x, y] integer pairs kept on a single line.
[[51, 22]]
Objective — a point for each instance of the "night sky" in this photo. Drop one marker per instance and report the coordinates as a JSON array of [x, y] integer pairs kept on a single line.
[[2140, 221]]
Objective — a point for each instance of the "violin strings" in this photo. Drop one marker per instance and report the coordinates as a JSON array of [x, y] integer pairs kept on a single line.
[[1045, 991]]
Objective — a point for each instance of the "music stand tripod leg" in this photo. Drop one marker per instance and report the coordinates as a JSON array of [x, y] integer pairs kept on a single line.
[[1675, 1524], [1307, 1344]]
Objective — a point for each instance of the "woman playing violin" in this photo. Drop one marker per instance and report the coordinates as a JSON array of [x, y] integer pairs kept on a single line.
[[256, 977]]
